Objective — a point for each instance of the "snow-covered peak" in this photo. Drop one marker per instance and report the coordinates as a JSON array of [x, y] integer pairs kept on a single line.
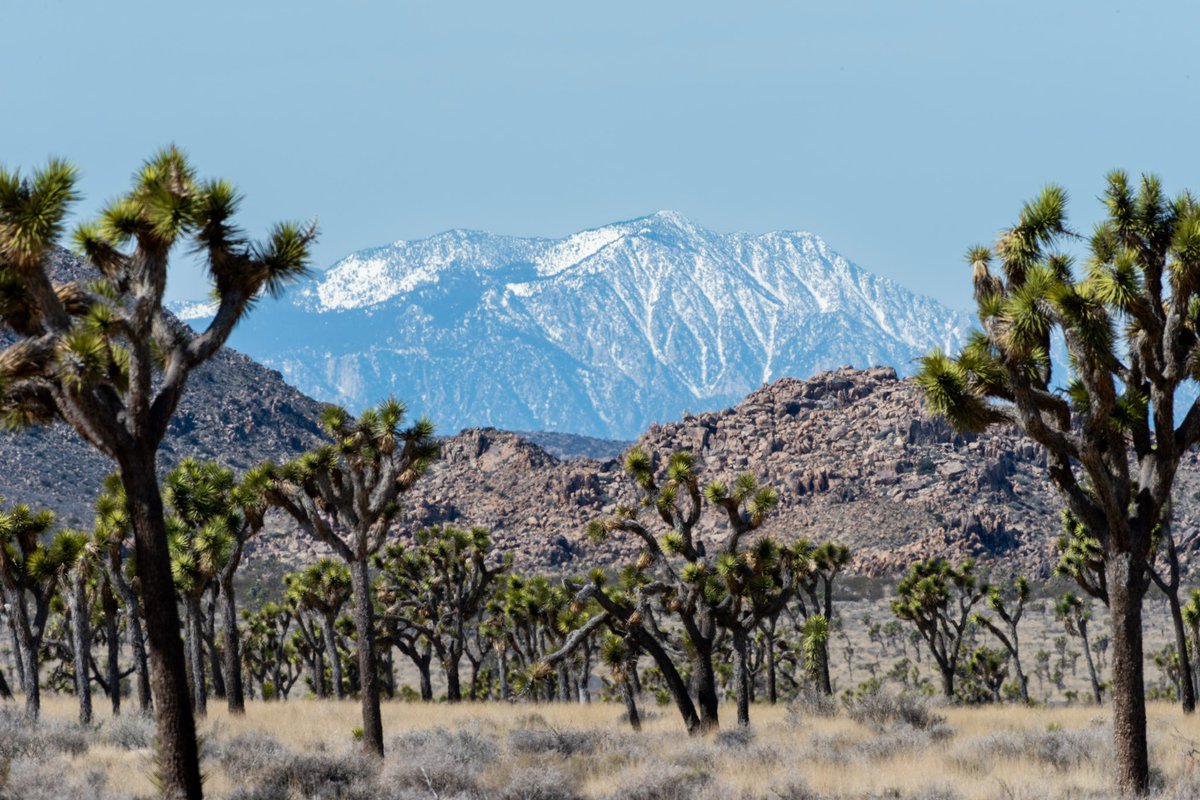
[[599, 332]]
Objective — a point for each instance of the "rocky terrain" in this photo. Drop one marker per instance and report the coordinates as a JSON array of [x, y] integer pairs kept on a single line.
[[234, 411], [853, 454]]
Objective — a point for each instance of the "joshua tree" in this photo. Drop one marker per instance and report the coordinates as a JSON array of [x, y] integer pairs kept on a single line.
[[706, 593], [112, 531], [621, 658], [102, 354], [30, 572], [347, 495], [201, 541], [827, 561], [436, 587], [988, 667], [1114, 441], [1009, 609], [247, 500], [938, 598], [269, 656], [324, 589], [1075, 614], [79, 563], [1168, 584], [1191, 617]]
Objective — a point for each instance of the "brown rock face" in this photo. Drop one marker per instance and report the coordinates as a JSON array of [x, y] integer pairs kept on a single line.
[[853, 453]]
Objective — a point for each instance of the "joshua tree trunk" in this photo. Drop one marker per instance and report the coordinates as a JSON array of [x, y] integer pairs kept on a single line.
[[5, 689], [1187, 689], [705, 680], [28, 656], [1097, 692], [453, 683], [235, 692], [1170, 588], [367, 676], [331, 652], [137, 639], [113, 639], [631, 709], [772, 687], [318, 678], [502, 670], [1125, 594], [179, 758], [16, 647], [195, 655], [947, 681], [564, 682], [209, 627], [585, 674], [81, 639], [675, 683], [741, 675]]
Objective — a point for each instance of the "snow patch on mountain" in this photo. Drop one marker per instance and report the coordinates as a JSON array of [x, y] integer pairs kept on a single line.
[[599, 333]]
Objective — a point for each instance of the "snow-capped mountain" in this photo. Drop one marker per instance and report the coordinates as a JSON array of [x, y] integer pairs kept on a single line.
[[599, 333]]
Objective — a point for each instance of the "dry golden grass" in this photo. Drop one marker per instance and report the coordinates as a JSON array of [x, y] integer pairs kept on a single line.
[[980, 753]]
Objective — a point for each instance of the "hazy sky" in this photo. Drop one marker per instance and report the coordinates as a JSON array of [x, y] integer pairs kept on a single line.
[[901, 132]]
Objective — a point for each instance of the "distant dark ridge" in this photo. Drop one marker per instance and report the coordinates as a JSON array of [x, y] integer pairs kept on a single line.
[[572, 445]]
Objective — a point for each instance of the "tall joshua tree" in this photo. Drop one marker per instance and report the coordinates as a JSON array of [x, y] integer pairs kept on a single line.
[[201, 542], [79, 561], [826, 562], [347, 494], [247, 499], [31, 572], [1009, 608], [1114, 442], [938, 598], [111, 531], [706, 593], [437, 587], [104, 356], [324, 589], [1075, 614]]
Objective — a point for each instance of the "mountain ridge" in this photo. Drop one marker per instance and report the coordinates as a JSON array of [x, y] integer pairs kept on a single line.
[[598, 333]]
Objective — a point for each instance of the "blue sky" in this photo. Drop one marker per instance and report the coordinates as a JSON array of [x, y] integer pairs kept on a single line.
[[900, 132]]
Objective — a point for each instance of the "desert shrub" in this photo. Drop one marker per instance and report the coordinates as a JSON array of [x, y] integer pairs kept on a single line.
[[660, 782], [131, 732], [19, 737], [1059, 749], [248, 754], [880, 709], [551, 740], [466, 744], [438, 761], [890, 744], [543, 783], [319, 776], [810, 703], [37, 778], [788, 787], [734, 738]]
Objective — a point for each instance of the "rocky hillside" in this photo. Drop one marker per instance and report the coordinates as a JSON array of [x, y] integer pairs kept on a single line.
[[235, 411], [852, 453], [598, 333]]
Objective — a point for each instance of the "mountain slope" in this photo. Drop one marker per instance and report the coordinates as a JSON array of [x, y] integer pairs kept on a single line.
[[234, 411], [852, 453], [600, 333]]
